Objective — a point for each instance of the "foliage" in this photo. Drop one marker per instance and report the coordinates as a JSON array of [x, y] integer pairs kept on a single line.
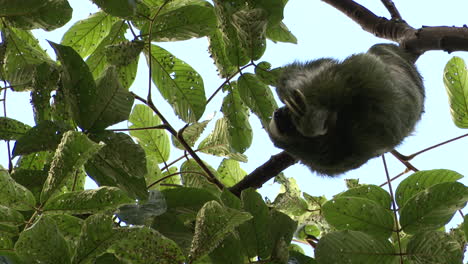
[[149, 210]]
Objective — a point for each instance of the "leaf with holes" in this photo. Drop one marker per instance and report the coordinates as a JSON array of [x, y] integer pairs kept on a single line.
[[178, 83]]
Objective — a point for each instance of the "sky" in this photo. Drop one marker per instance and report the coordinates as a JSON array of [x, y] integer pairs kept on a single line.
[[321, 31]]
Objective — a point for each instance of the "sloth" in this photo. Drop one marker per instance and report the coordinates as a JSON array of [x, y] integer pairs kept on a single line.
[[338, 115]]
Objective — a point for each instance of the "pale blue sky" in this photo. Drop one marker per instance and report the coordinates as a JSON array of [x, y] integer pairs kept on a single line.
[[322, 32]]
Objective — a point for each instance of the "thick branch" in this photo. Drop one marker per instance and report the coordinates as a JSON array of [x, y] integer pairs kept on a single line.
[[275, 165], [417, 41]]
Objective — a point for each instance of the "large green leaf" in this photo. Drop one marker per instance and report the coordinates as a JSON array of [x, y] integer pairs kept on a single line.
[[354, 247], [255, 233], [43, 243], [85, 35], [257, 96], [155, 247], [420, 181], [228, 37], [120, 8], [52, 15], [281, 33], [186, 22], [14, 7], [178, 83], [87, 201], [237, 117], [10, 220], [371, 192], [14, 195], [214, 223], [433, 208], [218, 53], [433, 247], [154, 141], [123, 53], [112, 103], [73, 151], [359, 214], [11, 129], [121, 163], [230, 172], [96, 236], [79, 88], [251, 30], [455, 81], [44, 136], [23, 54]]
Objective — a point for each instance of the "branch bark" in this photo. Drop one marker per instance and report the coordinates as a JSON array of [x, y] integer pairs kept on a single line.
[[275, 165]]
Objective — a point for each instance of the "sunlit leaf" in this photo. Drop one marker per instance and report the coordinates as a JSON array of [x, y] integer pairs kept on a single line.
[[73, 151], [87, 201], [85, 35], [433, 247], [178, 83], [456, 84], [43, 243]]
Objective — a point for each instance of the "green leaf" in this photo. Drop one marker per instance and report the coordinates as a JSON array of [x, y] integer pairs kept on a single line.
[[120, 8], [217, 142], [10, 220], [178, 83], [280, 33], [251, 27], [191, 134], [465, 226], [267, 75], [237, 117], [11, 129], [257, 96], [79, 87], [154, 141], [155, 249], [433, 208], [85, 35], [282, 227], [354, 247], [359, 214], [214, 223], [255, 233], [13, 7], [228, 38], [230, 251], [112, 103], [88, 201], [53, 15], [14, 195], [98, 60], [183, 205], [72, 153], [370, 192], [194, 176], [455, 80], [433, 247], [186, 22], [43, 243], [420, 181], [230, 172], [218, 53], [96, 236], [22, 57], [70, 228], [123, 53], [44, 136], [121, 163]]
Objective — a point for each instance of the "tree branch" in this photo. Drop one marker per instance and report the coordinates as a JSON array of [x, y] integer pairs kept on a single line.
[[275, 165], [417, 41]]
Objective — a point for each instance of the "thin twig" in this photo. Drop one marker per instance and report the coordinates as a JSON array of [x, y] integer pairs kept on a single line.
[[392, 9], [397, 225]]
